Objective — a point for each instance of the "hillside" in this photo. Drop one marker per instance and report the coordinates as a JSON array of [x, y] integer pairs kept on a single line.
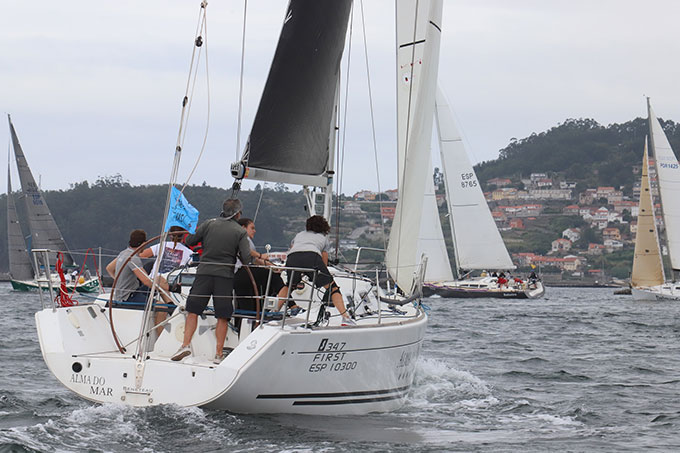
[[581, 150]]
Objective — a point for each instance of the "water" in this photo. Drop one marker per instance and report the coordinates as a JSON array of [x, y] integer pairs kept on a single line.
[[580, 370]]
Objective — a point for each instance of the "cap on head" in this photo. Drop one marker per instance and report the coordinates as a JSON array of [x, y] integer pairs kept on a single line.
[[231, 207]]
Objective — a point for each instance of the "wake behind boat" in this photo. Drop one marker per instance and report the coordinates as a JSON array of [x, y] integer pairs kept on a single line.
[[311, 362]]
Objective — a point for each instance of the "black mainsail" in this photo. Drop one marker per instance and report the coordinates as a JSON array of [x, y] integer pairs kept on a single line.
[[289, 140], [45, 233]]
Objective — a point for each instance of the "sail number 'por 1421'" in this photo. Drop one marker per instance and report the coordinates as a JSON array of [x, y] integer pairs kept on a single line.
[[468, 180]]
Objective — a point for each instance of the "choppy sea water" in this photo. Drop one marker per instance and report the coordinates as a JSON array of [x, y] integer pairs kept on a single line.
[[579, 370]]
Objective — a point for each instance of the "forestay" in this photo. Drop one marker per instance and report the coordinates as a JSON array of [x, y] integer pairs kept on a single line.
[[647, 264], [668, 173], [477, 242], [418, 38], [289, 140], [45, 233]]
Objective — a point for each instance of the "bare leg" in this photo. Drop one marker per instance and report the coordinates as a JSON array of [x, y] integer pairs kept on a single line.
[[160, 316], [339, 304], [282, 296], [189, 328], [221, 334]]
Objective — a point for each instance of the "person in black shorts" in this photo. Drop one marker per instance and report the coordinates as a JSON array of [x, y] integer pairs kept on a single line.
[[223, 239], [310, 251], [243, 285]]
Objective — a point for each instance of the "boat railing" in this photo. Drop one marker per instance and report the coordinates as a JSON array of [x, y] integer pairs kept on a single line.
[[356, 261], [41, 259]]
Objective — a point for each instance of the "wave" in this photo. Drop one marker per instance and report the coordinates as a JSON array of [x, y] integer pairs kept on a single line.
[[440, 387], [113, 427]]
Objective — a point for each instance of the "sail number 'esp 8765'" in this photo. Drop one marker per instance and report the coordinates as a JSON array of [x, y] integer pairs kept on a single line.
[[468, 180]]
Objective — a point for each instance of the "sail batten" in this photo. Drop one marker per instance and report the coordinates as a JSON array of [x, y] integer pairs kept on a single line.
[[291, 130]]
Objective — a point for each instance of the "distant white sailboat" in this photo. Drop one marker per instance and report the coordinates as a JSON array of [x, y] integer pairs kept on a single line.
[[647, 278], [477, 242]]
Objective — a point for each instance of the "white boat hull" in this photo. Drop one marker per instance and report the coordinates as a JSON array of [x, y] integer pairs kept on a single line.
[[325, 370], [484, 287], [667, 291]]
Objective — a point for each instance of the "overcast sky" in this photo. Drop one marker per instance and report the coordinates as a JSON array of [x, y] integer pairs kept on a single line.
[[94, 88]]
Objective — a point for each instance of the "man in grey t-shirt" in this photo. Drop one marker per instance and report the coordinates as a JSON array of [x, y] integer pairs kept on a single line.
[[133, 282]]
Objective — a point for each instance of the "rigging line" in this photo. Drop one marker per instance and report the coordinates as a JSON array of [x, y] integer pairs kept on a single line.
[[257, 209], [341, 150], [240, 88], [191, 69], [207, 122], [408, 125], [375, 143]]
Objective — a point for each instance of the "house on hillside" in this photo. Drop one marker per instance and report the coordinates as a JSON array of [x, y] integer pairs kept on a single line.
[[499, 216], [612, 245], [364, 195], [561, 245], [595, 249], [572, 263], [587, 197], [611, 233], [610, 193], [573, 234], [498, 182], [550, 194], [516, 224], [388, 211], [505, 193], [626, 205], [352, 208], [543, 183], [524, 259], [572, 209]]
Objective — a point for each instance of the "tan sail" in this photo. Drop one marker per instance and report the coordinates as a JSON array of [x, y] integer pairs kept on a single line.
[[647, 265]]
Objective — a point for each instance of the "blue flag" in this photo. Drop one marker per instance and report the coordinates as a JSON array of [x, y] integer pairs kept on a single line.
[[181, 212]]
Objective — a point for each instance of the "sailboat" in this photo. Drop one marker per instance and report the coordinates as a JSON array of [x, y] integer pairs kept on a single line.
[[648, 281], [305, 363], [27, 274], [477, 244]]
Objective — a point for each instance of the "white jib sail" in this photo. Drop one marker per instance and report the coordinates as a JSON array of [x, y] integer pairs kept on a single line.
[[477, 242], [431, 238], [647, 265], [418, 64], [668, 174]]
